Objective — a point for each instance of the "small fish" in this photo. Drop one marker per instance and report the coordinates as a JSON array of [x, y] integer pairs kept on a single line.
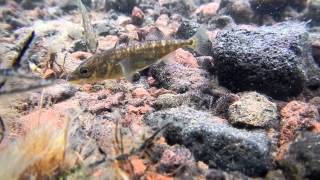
[[126, 61]]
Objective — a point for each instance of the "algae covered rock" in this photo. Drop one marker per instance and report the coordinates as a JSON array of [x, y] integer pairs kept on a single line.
[[273, 60], [303, 158], [253, 109], [213, 141]]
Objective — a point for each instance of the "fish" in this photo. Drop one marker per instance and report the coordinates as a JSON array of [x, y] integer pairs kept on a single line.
[[122, 62]]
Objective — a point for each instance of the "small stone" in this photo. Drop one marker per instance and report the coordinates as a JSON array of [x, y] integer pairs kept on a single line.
[[104, 28], [137, 16], [316, 102], [185, 58], [253, 109], [169, 101], [296, 116], [223, 103], [179, 78], [174, 157], [79, 45], [177, 6], [140, 93], [209, 9], [187, 29], [303, 158], [138, 165]]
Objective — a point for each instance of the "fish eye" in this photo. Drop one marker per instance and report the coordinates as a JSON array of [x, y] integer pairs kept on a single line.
[[84, 71]]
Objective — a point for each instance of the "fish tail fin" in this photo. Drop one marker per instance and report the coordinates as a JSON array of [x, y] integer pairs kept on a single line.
[[201, 42]]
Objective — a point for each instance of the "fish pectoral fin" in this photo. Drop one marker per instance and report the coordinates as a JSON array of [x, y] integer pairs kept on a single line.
[[169, 59], [126, 67]]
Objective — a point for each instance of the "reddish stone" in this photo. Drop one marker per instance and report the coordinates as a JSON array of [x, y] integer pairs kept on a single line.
[[176, 155], [156, 176], [137, 16], [295, 115], [138, 166], [107, 42], [208, 9], [140, 93], [185, 58], [139, 110], [101, 101], [167, 28], [54, 117]]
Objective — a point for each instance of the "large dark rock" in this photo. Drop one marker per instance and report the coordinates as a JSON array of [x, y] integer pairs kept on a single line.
[[303, 158], [269, 6], [213, 141], [124, 6], [274, 60]]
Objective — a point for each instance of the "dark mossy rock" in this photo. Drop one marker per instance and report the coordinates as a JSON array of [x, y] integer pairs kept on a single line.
[[275, 60], [187, 29], [303, 158], [124, 6], [213, 141], [269, 6]]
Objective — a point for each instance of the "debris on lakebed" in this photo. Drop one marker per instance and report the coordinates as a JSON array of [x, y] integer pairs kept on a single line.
[[248, 109]]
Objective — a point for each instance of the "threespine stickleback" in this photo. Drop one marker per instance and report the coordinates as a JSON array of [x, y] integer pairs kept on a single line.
[[126, 61]]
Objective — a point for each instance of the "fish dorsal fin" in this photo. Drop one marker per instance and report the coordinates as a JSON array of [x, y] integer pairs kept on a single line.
[[155, 34]]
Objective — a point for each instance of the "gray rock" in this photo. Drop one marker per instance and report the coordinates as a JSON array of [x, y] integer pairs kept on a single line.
[[253, 109], [239, 10], [124, 6], [187, 29], [179, 78], [274, 60], [79, 45], [169, 101], [213, 141], [104, 28], [303, 159], [181, 7], [269, 6], [313, 12], [31, 4]]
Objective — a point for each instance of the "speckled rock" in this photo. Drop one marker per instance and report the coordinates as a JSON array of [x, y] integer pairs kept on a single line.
[[253, 109], [239, 10], [211, 140], [303, 158], [187, 29], [174, 157], [223, 103], [269, 6], [176, 6], [169, 101], [272, 60], [179, 78], [296, 116]]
